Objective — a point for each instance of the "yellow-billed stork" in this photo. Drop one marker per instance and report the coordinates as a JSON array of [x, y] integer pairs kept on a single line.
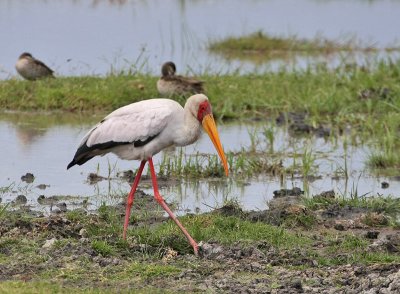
[[142, 129]]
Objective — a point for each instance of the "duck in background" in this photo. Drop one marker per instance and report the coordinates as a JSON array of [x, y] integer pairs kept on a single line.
[[170, 84], [31, 68]]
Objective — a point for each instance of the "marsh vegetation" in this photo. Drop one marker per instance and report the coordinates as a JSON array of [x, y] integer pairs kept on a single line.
[[261, 47], [304, 124]]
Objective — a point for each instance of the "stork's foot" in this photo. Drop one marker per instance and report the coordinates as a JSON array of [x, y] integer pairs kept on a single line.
[[196, 249]]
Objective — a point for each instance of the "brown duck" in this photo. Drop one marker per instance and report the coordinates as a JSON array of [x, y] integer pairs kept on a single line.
[[31, 68], [170, 84]]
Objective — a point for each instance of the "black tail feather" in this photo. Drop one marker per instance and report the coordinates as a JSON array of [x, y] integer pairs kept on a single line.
[[80, 161]]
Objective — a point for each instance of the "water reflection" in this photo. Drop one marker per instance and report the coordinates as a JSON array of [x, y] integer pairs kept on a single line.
[[27, 135]]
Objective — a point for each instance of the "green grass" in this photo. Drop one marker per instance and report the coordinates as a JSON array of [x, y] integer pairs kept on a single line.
[[76, 93], [34, 287], [44, 287], [151, 270], [241, 164], [227, 230], [3, 209], [260, 46], [379, 204], [102, 248], [323, 93]]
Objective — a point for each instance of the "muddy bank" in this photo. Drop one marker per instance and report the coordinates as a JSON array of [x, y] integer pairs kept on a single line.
[[339, 250]]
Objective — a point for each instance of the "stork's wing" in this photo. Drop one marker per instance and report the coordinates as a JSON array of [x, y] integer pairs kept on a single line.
[[129, 125], [137, 124]]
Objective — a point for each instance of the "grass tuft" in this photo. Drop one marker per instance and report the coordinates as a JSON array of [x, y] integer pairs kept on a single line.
[[102, 248]]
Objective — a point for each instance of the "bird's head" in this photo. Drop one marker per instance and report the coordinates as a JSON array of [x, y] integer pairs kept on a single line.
[[25, 55], [168, 69], [200, 107]]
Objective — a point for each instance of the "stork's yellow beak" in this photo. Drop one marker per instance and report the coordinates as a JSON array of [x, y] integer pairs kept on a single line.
[[211, 129]]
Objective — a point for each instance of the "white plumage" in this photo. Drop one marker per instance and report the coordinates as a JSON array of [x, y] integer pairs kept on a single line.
[[137, 122]]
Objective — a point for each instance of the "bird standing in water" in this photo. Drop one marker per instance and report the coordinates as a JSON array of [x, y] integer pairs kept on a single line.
[[170, 84], [31, 68], [142, 129]]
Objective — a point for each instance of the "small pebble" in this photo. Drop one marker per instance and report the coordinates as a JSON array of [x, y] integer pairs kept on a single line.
[[339, 227], [83, 233], [297, 284], [41, 186], [49, 243]]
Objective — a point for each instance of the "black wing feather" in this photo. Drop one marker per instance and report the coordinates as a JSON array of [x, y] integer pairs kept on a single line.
[[85, 153]]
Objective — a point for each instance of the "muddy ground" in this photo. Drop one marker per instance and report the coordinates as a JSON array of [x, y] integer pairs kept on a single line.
[[59, 249]]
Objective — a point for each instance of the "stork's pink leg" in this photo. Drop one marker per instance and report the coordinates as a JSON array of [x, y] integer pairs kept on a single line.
[[161, 201], [131, 196]]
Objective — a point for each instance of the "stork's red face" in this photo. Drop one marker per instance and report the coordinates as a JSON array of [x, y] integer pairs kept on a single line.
[[204, 115], [204, 109]]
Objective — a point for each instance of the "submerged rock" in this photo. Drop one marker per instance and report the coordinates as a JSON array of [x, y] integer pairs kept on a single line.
[[288, 192], [28, 178], [62, 206], [42, 186]]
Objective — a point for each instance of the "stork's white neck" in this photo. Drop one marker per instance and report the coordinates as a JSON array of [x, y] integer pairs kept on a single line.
[[190, 130]]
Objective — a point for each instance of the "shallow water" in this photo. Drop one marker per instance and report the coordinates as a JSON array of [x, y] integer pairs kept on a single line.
[[45, 144], [97, 37]]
